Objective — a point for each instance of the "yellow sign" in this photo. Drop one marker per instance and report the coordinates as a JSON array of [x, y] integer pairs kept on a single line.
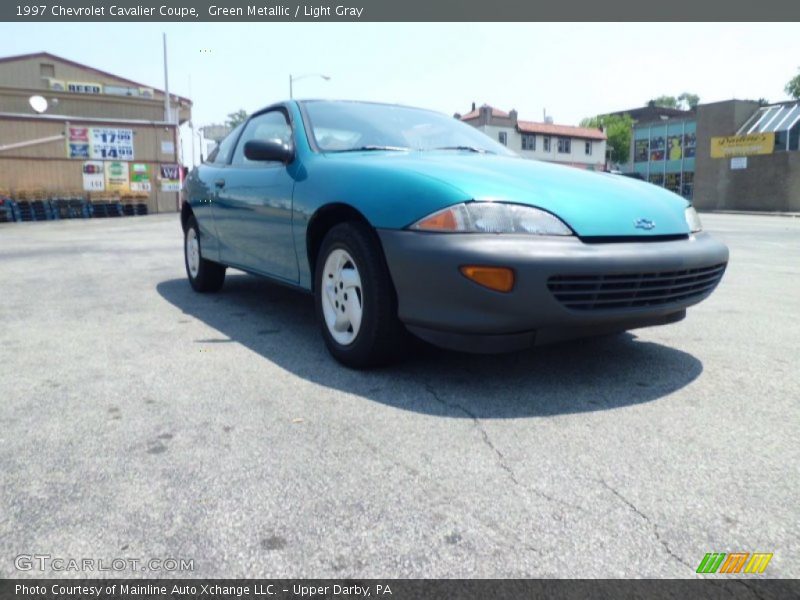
[[742, 145], [117, 177]]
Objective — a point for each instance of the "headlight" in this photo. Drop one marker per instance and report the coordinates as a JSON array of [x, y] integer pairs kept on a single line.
[[693, 220], [492, 217]]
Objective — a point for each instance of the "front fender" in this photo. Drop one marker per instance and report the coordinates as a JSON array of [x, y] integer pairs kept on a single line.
[[387, 198]]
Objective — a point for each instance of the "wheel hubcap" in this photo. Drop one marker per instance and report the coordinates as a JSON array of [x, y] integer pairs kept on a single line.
[[342, 297], [192, 252]]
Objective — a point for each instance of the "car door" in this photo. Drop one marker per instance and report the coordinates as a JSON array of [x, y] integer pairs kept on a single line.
[[253, 206], [203, 190]]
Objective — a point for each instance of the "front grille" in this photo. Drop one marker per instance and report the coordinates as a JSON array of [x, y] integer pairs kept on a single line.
[[629, 290]]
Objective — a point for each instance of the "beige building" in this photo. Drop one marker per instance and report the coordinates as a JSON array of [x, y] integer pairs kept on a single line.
[[94, 134], [580, 147]]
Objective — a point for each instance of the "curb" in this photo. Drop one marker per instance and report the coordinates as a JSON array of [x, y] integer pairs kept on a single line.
[[759, 213]]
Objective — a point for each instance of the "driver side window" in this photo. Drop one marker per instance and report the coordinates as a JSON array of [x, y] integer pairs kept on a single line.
[[271, 126], [221, 155]]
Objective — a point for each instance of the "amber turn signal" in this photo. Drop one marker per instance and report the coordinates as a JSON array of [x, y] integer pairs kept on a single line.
[[444, 220], [500, 279]]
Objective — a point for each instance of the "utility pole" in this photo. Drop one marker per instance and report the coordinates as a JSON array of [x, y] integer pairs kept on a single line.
[[191, 123], [167, 111]]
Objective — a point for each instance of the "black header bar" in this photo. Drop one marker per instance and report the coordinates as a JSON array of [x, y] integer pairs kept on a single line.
[[745, 587], [222, 11]]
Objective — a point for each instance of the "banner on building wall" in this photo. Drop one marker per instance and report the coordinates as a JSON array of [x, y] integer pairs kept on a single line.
[[140, 177], [742, 145], [94, 179], [111, 143], [170, 178], [78, 142], [657, 148], [117, 177], [84, 87], [738, 162], [689, 145], [100, 143], [675, 147]]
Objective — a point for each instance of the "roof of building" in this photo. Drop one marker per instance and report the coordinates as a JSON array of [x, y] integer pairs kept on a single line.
[[78, 65], [562, 130], [540, 128], [653, 113], [476, 113], [773, 118]]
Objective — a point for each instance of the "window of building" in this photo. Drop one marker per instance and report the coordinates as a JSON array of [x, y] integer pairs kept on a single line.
[[794, 137], [47, 70], [688, 185], [546, 143], [657, 148], [564, 145], [780, 140], [672, 181], [588, 149], [641, 150], [528, 141], [502, 137]]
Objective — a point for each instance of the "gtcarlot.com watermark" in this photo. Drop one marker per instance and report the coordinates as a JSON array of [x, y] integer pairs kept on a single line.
[[47, 562]]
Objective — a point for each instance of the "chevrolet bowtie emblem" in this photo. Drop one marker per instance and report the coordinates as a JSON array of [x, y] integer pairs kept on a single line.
[[646, 224]]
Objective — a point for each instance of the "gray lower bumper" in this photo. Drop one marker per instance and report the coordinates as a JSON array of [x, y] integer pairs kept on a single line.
[[442, 306]]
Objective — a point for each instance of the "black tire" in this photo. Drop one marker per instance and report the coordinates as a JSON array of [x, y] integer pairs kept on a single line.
[[210, 275], [381, 337]]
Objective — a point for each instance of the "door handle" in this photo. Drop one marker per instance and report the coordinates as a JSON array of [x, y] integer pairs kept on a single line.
[[219, 183]]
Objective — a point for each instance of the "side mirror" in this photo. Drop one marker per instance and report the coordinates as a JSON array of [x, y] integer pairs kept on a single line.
[[267, 151]]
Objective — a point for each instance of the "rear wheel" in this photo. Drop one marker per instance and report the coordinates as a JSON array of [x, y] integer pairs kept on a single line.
[[204, 275], [355, 299]]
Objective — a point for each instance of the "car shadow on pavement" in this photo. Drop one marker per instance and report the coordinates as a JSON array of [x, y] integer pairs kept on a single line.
[[279, 324]]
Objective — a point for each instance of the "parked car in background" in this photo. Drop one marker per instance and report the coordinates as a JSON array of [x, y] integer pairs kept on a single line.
[[404, 220]]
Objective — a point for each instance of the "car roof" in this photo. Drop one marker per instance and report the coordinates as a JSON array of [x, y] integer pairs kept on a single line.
[[342, 101]]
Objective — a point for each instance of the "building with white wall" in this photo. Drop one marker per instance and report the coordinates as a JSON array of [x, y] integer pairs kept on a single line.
[[580, 147]]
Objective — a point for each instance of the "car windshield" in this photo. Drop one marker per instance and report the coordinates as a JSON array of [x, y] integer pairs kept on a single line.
[[352, 126]]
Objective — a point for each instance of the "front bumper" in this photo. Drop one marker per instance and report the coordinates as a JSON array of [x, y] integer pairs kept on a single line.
[[442, 306]]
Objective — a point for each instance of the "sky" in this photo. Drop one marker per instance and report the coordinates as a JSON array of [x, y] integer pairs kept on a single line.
[[570, 70]]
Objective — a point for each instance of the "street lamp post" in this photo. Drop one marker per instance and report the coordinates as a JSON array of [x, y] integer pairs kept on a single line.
[[293, 78]]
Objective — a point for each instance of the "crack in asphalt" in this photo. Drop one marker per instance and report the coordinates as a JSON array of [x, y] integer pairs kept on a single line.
[[501, 459], [479, 426], [647, 519], [497, 529]]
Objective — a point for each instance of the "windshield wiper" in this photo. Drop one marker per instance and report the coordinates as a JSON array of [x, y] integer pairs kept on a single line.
[[467, 148], [372, 149]]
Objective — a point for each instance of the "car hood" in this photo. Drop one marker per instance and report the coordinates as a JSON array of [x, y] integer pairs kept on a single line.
[[593, 204]]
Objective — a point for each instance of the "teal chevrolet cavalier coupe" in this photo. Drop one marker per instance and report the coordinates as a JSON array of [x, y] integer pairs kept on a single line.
[[402, 220]]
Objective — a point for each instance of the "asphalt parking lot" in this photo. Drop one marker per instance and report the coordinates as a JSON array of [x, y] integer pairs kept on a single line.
[[139, 419]]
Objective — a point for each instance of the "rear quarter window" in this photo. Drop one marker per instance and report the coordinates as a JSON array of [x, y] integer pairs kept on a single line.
[[221, 155]]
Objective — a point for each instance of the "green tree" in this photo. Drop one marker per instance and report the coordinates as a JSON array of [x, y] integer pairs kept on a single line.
[[618, 129], [688, 100], [235, 118], [793, 87], [664, 102], [685, 101]]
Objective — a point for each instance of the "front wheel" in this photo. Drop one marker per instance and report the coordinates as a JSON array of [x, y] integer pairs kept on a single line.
[[204, 275], [355, 300]]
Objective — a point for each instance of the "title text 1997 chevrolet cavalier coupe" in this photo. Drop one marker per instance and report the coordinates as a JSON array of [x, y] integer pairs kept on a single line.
[[400, 219]]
